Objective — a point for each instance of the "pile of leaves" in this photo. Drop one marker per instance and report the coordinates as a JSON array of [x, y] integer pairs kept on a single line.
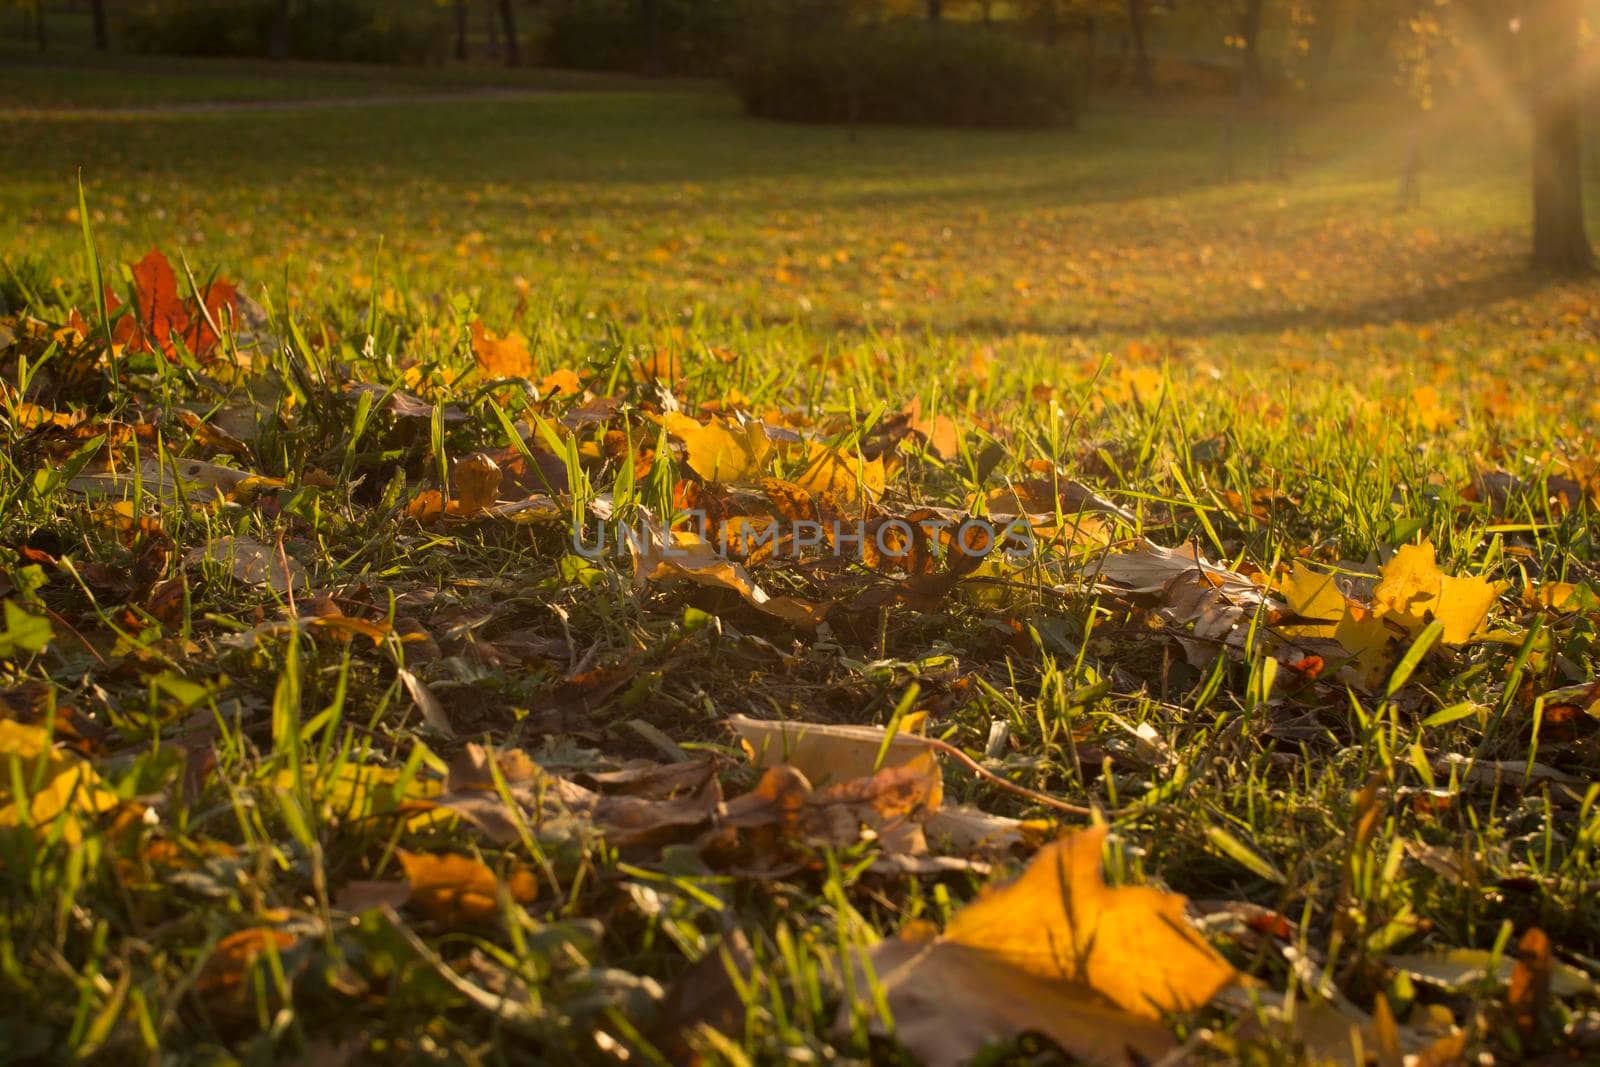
[[369, 690]]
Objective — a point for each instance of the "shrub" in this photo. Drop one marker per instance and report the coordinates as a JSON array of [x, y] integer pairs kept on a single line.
[[362, 31], [905, 72]]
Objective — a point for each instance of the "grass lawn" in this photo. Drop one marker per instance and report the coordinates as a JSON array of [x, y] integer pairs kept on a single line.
[[263, 827]]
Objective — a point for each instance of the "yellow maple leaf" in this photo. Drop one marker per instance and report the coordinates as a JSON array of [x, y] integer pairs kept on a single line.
[[1414, 591], [61, 784], [1312, 595], [1057, 951], [720, 451], [500, 357]]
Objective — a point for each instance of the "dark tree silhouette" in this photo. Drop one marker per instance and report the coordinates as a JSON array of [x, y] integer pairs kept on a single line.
[[461, 29], [1560, 240], [1141, 47], [102, 32], [508, 21]]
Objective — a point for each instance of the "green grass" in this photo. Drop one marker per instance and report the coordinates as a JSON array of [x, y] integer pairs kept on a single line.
[[1095, 304]]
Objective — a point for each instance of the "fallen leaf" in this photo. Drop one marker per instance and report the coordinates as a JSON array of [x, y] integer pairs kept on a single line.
[[831, 754], [1057, 951], [63, 786], [500, 357], [677, 554], [1414, 592], [720, 451], [477, 483], [252, 563], [1528, 993]]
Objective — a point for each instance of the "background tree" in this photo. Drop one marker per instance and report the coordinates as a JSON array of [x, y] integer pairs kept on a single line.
[[508, 22], [1560, 239], [102, 32]]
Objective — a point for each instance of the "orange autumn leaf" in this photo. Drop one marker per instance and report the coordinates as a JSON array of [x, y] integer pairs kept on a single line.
[[1058, 951], [1414, 592], [500, 356], [160, 319], [452, 888]]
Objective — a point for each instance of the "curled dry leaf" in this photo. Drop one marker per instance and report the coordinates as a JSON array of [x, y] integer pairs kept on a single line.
[[660, 555], [1057, 951]]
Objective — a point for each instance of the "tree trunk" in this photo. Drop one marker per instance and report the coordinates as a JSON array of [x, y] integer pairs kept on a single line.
[[102, 32], [1560, 241], [278, 36], [1250, 76], [935, 10], [494, 28], [40, 36], [653, 65], [508, 20], [1141, 48], [461, 29]]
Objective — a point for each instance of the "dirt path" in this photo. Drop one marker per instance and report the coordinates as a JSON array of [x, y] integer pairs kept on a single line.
[[313, 103]]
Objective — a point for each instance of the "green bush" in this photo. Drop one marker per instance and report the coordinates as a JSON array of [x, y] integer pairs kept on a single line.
[[951, 75], [692, 36], [362, 31]]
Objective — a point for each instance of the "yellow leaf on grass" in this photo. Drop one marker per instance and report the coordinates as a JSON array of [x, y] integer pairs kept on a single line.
[[1060, 922], [720, 451], [1057, 951], [1312, 595], [1413, 592], [460, 889], [684, 555], [846, 475], [58, 783], [500, 357]]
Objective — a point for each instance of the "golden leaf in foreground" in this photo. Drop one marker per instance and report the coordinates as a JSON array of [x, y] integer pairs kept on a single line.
[[62, 785], [1414, 592], [460, 889], [721, 451], [1057, 951]]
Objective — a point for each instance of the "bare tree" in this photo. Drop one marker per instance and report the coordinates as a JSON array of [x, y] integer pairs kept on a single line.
[[1560, 239]]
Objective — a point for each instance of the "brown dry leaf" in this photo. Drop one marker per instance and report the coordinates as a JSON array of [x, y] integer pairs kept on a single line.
[[253, 563], [684, 555], [477, 483], [626, 820], [722, 451], [433, 712], [500, 357], [1192, 591], [1414, 592], [196, 480], [1057, 951], [829, 754], [236, 954]]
